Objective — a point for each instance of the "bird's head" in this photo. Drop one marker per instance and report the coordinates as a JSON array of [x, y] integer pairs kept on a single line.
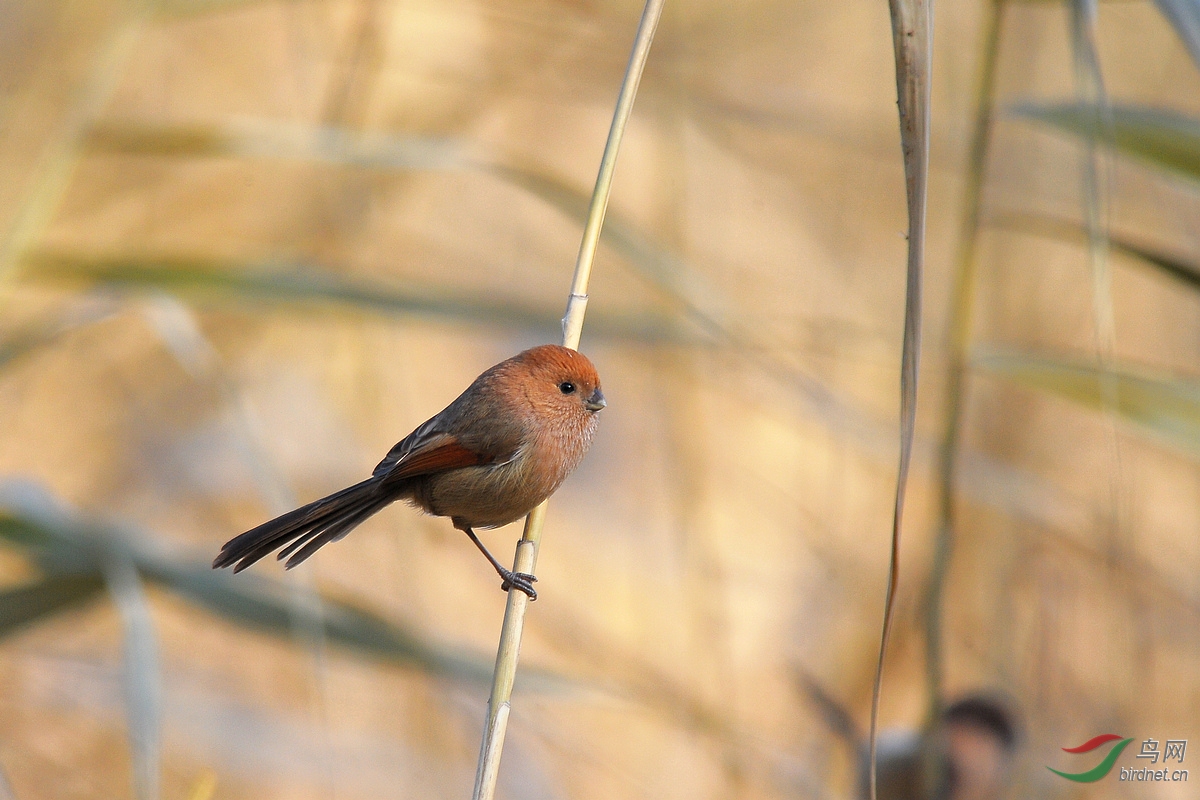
[[561, 381]]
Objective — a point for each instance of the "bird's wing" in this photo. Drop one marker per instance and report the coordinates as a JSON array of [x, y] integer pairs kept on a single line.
[[428, 450]]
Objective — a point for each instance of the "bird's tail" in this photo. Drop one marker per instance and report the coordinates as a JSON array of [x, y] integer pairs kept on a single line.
[[306, 529]]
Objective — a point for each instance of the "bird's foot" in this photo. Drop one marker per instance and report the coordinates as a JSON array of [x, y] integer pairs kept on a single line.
[[519, 580]]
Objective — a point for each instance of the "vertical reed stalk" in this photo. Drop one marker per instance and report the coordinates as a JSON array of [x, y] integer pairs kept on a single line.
[[1089, 81], [1096, 167], [141, 678], [527, 548], [959, 327], [912, 41]]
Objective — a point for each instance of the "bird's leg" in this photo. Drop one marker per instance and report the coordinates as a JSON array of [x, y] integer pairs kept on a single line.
[[518, 580]]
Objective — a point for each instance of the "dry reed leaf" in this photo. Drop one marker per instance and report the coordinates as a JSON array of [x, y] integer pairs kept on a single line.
[[1167, 407]]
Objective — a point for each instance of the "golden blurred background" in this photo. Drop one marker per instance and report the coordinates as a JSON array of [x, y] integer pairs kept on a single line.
[[247, 245]]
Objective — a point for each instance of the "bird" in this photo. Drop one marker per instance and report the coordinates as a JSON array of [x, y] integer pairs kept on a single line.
[[968, 755], [489, 458]]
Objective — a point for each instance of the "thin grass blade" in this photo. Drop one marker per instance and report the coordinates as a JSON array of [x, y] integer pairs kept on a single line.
[[1168, 407], [1178, 267], [1166, 139], [262, 139], [30, 603], [1182, 269], [30, 517], [181, 8], [269, 607], [306, 286]]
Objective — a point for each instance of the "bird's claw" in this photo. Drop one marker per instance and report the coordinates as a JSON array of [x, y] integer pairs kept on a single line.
[[519, 580]]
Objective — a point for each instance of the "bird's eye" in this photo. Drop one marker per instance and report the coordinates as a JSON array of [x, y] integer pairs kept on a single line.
[[566, 387]]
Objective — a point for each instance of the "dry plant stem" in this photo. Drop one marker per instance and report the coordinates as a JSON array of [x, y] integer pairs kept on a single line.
[[506, 661], [912, 39], [527, 548], [958, 345], [577, 302], [1091, 93], [143, 689], [1096, 179]]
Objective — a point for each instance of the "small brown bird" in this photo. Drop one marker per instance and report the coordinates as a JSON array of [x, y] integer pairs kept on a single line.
[[501, 448]]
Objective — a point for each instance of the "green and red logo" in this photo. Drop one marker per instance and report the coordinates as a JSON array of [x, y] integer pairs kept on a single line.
[[1104, 767]]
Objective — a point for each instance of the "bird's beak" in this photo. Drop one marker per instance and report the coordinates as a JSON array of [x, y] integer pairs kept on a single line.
[[596, 401]]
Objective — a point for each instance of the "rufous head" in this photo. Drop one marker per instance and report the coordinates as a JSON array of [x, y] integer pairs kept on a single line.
[[560, 379]]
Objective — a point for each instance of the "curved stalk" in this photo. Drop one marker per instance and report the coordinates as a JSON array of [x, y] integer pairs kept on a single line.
[[912, 40]]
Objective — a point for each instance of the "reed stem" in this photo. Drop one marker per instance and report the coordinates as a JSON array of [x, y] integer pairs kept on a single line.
[[912, 40], [509, 650], [958, 347]]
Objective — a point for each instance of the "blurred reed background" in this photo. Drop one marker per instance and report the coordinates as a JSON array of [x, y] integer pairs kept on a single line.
[[249, 244]]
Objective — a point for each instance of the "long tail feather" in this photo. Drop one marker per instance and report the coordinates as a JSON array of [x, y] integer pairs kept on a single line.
[[307, 528], [333, 528], [333, 533]]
